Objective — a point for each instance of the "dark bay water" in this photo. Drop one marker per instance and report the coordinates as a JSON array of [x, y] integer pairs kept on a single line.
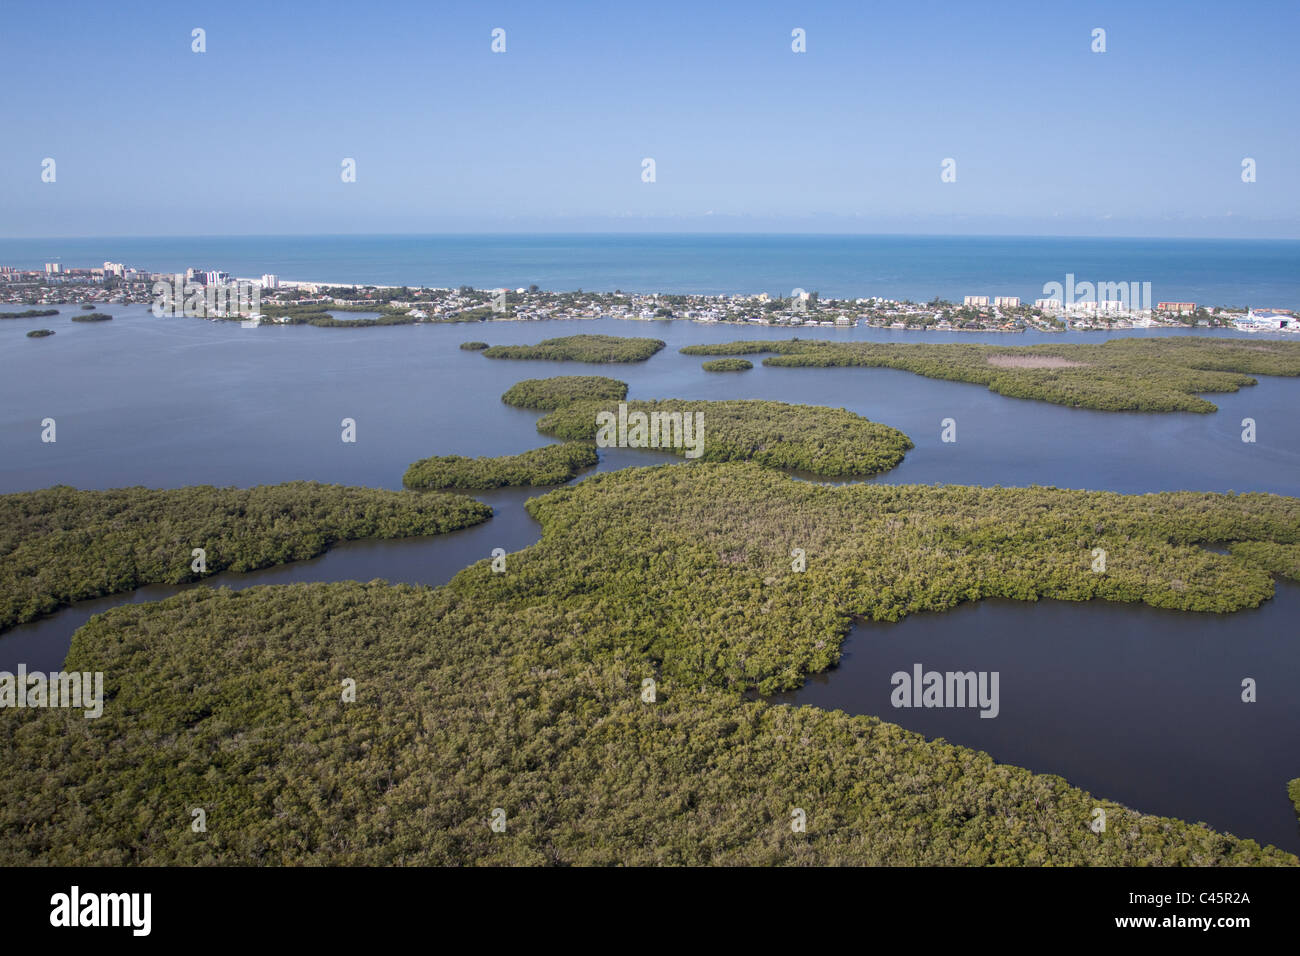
[[1139, 706], [173, 402], [1136, 704]]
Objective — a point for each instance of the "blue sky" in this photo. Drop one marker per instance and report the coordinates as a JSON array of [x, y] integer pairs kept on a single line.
[[1048, 137]]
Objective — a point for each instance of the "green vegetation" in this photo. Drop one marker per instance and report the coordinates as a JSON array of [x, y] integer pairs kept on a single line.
[[329, 322], [326, 321], [39, 333], [92, 317], [1293, 792], [1283, 559], [549, 465], [473, 346], [319, 315], [830, 442], [552, 393], [882, 552], [581, 348], [523, 690], [1128, 374], [727, 365], [88, 308], [298, 314], [62, 545], [482, 313], [29, 314]]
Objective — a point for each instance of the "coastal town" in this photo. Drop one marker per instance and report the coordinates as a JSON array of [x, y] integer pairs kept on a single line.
[[1071, 306]]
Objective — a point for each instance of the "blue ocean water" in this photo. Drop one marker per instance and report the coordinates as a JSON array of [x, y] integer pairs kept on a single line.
[[1236, 272]]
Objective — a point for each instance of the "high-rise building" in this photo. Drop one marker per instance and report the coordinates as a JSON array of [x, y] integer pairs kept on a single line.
[[270, 281], [53, 268], [1007, 302], [977, 300]]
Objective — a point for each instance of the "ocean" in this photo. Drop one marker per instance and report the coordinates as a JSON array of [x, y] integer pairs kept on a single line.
[[1257, 273]]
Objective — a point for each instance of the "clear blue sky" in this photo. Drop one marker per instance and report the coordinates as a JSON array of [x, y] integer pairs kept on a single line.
[[1049, 137]]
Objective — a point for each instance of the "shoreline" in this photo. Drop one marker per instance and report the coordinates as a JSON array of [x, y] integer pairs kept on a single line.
[[296, 301]]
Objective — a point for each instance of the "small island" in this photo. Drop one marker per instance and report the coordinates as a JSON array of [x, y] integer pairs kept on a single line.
[[828, 442], [727, 365], [92, 317], [548, 394], [473, 346], [549, 465], [39, 333], [1127, 374], [29, 314], [581, 348]]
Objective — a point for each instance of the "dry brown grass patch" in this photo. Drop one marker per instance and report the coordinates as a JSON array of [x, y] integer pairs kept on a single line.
[[1033, 361]]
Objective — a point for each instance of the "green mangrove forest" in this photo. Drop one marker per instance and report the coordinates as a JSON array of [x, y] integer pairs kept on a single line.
[[830, 442], [549, 465], [61, 545], [29, 314], [582, 348], [591, 697], [549, 394], [727, 365], [1123, 374]]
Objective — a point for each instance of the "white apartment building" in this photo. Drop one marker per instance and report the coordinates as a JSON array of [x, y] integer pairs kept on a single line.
[[1266, 319]]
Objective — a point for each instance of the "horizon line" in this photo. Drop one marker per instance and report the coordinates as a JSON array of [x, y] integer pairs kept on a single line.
[[644, 234]]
